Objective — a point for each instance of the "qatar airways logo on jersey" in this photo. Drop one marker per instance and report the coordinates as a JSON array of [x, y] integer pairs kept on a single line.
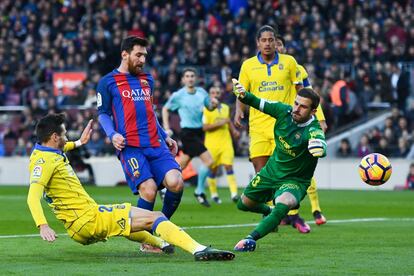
[[269, 86], [140, 94]]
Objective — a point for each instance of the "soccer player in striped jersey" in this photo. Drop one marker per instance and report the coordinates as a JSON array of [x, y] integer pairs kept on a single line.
[[86, 222], [285, 178], [312, 190], [146, 152]]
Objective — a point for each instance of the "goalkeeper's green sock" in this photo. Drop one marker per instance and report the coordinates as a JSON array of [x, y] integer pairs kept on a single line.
[[259, 208], [269, 223]]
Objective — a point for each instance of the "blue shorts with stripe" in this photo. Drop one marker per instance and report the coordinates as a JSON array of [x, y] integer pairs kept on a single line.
[[140, 164]]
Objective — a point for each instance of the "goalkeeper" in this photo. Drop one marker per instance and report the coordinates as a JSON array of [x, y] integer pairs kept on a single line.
[[286, 176]]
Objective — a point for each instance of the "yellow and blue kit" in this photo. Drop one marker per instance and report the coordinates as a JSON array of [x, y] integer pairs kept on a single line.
[[218, 141], [273, 82], [52, 177]]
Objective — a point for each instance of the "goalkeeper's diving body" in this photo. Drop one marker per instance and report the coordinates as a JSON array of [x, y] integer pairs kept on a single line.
[[287, 174], [86, 222]]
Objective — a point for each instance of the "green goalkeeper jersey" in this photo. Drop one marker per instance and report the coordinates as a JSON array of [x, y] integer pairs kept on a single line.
[[291, 160]]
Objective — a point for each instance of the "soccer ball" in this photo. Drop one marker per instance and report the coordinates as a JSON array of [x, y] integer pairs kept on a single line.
[[375, 169]]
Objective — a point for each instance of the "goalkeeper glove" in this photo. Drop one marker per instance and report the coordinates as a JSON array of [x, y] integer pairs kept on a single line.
[[316, 147], [238, 89]]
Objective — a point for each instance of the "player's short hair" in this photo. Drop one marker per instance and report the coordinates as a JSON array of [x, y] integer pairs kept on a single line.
[[309, 93], [129, 42], [49, 124], [189, 69], [265, 28], [279, 37]]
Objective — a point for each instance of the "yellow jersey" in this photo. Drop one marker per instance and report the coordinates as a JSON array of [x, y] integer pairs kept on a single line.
[[219, 137], [63, 191], [273, 82]]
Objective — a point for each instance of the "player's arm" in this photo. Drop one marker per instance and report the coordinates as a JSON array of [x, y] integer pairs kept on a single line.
[[40, 175], [271, 108], [171, 105], [104, 103], [209, 125], [317, 143], [84, 139]]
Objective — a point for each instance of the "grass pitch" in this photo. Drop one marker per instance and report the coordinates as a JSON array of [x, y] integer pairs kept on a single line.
[[382, 244]]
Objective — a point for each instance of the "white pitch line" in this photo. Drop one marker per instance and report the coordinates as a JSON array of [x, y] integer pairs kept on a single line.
[[338, 221]]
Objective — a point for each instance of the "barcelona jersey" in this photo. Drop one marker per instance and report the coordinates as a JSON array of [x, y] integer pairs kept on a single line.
[[128, 99]]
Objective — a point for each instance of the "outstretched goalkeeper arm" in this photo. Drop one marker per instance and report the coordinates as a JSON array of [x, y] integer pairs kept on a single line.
[[247, 98]]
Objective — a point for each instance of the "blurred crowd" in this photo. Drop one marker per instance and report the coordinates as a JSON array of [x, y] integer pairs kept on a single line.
[[395, 138], [369, 45]]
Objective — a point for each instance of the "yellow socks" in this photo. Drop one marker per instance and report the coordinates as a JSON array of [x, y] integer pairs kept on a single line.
[[212, 185], [231, 179], [172, 234], [146, 237], [313, 196]]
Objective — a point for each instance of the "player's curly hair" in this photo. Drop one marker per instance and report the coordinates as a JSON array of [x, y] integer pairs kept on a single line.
[[51, 123]]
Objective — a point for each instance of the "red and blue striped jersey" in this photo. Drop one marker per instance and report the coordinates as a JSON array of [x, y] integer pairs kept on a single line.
[[128, 99]]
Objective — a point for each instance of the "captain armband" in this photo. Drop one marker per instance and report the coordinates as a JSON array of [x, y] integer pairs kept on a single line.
[[317, 147]]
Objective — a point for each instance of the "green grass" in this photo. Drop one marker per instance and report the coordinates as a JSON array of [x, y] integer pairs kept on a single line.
[[347, 248]]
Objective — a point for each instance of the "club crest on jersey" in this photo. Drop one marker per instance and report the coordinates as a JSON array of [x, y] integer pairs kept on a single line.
[[281, 66], [144, 83], [136, 173]]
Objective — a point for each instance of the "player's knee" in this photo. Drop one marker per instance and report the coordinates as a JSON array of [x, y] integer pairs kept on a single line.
[[175, 184], [311, 189], [287, 199], [228, 168], [241, 206], [148, 192]]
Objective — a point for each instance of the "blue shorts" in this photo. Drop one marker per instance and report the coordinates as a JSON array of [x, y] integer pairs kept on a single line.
[[140, 164]]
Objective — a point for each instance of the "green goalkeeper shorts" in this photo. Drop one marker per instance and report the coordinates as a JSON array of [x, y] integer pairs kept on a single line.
[[262, 189]]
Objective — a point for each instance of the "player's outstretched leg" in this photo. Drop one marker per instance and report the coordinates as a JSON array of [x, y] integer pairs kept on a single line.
[[171, 233], [265, 226]]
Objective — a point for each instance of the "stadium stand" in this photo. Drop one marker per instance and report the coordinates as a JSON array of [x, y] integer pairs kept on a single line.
[[369, 44]]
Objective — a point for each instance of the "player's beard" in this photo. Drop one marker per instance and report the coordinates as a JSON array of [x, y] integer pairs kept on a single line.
[[61, 143], [133, 70], [299, 119]]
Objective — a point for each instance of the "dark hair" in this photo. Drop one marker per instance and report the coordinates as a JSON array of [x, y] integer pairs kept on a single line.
[[265, 28], [310, 94], [48, 125], [189, 69], [129, 42], [279, 37]]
